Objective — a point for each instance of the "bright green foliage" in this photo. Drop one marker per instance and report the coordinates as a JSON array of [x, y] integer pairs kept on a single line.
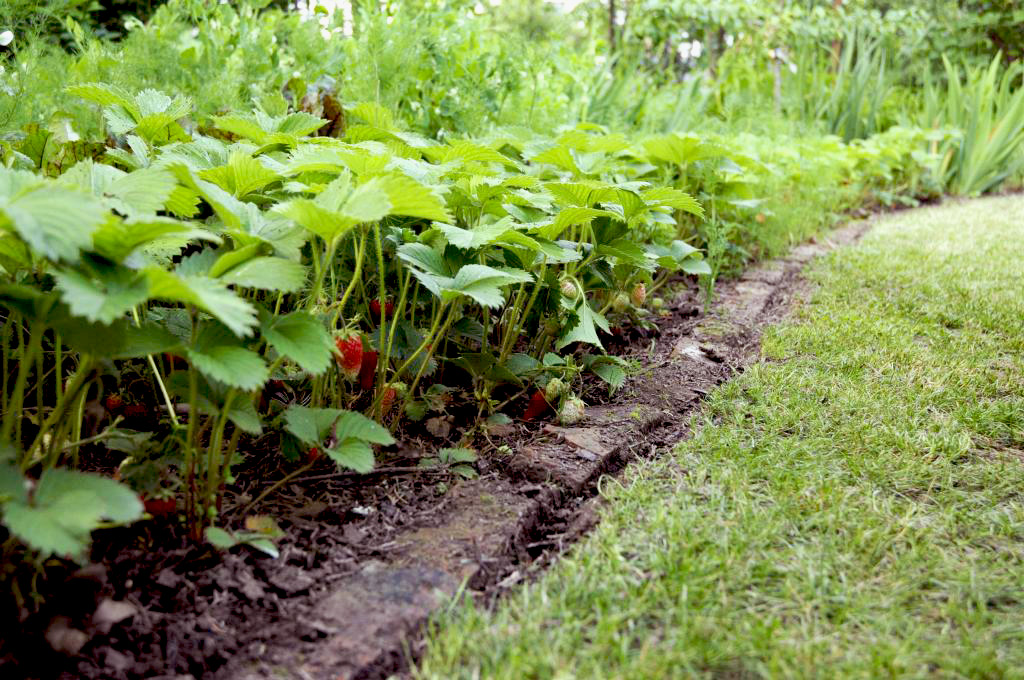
[[208, 202], [345, 436], [63, 507], [985, 108]]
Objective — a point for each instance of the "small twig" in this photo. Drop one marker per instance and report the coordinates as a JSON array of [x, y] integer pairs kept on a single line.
[[106, 434], [398, 470], [277, 485]]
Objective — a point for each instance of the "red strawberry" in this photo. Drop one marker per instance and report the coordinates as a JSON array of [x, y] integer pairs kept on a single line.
[[160, 507], [175, 361], [389, 308], [349, 355], [537, 407], [114, 403], [313, 454], [388, 400], [135, 411], [368, 370]]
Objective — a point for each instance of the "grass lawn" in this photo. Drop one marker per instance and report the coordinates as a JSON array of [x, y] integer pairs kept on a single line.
[[852, 506]]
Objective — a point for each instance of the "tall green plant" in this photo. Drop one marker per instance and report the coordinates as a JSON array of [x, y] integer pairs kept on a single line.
[[986, 107], [861, 87]]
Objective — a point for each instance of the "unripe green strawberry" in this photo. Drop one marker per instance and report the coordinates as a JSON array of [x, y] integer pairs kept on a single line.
[[657, 303], [573, 411], [639, 294], [569, 288], [551, 326], [554, 389], [620, 302]]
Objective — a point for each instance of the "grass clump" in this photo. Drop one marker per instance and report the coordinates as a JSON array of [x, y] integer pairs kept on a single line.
[[849, 507]]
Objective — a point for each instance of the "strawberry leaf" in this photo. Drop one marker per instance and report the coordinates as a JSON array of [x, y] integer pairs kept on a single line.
[[301, 338], [352, 425], [352, 454]]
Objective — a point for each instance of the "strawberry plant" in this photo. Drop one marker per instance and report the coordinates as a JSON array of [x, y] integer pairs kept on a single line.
[[266, 279]]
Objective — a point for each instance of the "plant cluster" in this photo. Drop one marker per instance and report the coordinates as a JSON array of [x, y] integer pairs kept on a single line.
[[353, 275], [337, 238]]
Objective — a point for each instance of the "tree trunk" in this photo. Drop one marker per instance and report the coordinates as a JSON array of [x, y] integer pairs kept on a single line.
[[611, 25], [715, 43], [837, 44], [776, 81]]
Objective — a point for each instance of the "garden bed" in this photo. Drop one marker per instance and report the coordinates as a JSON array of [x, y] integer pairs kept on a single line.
[[368, 558]]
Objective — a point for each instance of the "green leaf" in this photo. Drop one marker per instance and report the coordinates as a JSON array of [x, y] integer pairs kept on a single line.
[[626, 251], [352, 454], [674, 198], [118, 340], [300, 337], [242, 412], [481, 235], [268, 273], [315, 218], [410, 198], [422, 256], [352, 425], [208, 294], [120, 504], [609, 369], [107, 295], [264, 545], [228, 208], [218, 356], [299, 123], [142, 192], [220, 539], [240, 126], [316, 158], [368, 202], [574, 215], [12, 484], [558, 156], [241, 176], [466, 151], [66, 507], [151, 102], [585, 328], [61, 529], [696, 266], [54, 221], [105, 95], [310, 425], [118, 239], [458, 455], [228, 259], [483, 283], [234, 366]]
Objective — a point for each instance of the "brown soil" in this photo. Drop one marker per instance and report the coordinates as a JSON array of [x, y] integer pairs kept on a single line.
[[368, 559]]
